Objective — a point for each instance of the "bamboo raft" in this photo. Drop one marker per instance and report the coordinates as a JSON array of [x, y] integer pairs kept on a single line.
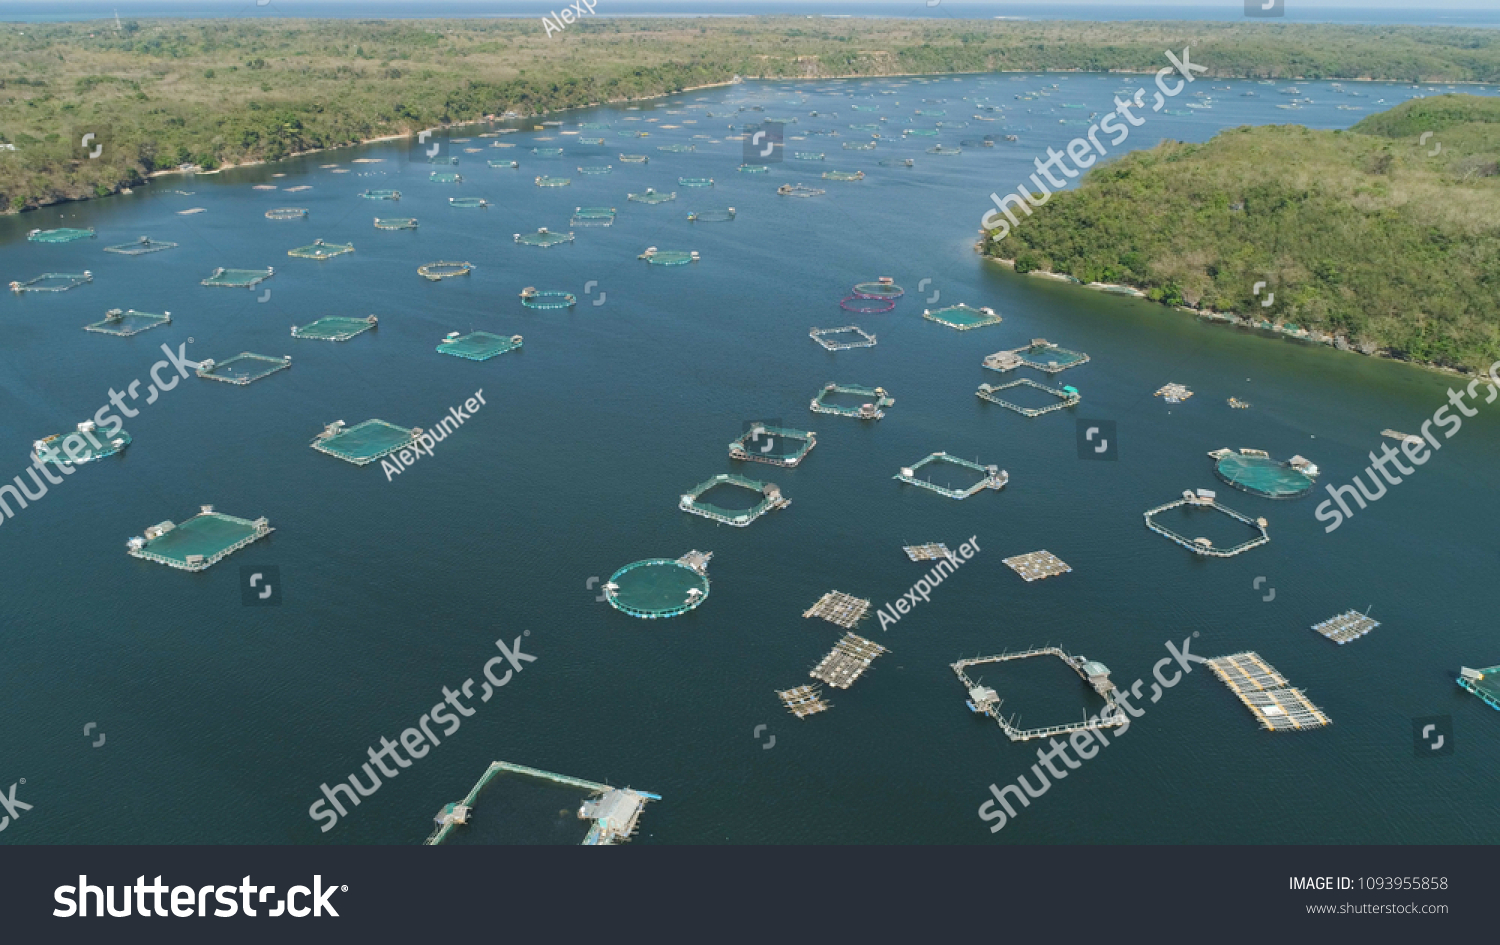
[[839, 608], [803, 701], [1265, 693], [847, 661]]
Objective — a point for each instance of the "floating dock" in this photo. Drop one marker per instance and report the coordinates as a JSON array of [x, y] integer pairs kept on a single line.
[[993, 477], [839, 608], [985, 701], [616, 812], [660, 587], [803, 701], [847, 661], [1484, 683], [127, 323], [1350, 625], [1204, 498], [200, 542], [1398, 435], [872, 410], [929, 552], [1040, 354], [771, 499], [1266, 694], [1067, 397], [1037, 565], [1174, 393], [760, 442], [855, 337]]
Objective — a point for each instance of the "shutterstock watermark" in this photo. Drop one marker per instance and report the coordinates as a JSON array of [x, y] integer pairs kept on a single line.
[[1086, 150], [1415, 448], [1082, 742]]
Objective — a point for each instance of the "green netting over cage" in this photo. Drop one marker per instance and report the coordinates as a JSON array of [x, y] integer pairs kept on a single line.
[[364, 443], [810, 155], [447, 160], [939, 149], [711, 216], [695, 181], [59, 235], [385, 194], [395, 223], [591, 141], [239, 278], [1048, 357], [1264, 476], [755, 169], [467, 202], [799, 190], [897, 162], [778, 446], [532, 297], [335, 328], [962, 317], [656, 588], [921, 132], [85, 445], [444, 269], [677, 148], [635, 158], [318, 249], [843, 175], [544, 238], [768, 495], [286, 213], [500, 163], [873, 408], [127, 323], [201, 541], [859, 145], [594, 170], [593, 216], [477, 345], [547, 152], [53, 282], [444, 177], [651, 196], [140, 247], [668, 257], [553, 181], [243, 368]]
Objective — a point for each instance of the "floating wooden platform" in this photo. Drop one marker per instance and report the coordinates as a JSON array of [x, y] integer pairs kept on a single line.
[[803, 701], [839, 608], [1174, 393], [1350, 625], [928, 552], [1037, 565], [847, 661], [1265, 693]]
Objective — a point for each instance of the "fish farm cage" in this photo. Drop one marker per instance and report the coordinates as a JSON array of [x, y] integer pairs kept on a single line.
[[963, 317], [127, 322], [82, 446], [920, 132], [444, 177], [635, 158], [668, 257], [477, 345], [238, 278], [140, 247], [777, 446], [939, 149], [660, 587], [770, 500], [53, 282], [1484, 683], [335, 328], [468, 202], [318, 249], [1040, 354], [1254, 472], [545, 181], [544, 238], [592, 142], [1067, 397], [651, 196], [243, 368], [872, 409], [198, 543], [711, 216], [502, 163], [596, 170], [897, 162], [60, 235], [384, 194], [859, 145], [843, 175], [883, 288], [364, 443], [547, 299], [678, 148], [286, 213], [867, 305], [809, 156], [1206, 499], [447, 160], [695, 181], [755, 169], [593, 126], [443, 269], [547, 152], [593, 216], [395, 223], [799, 190], [990, 477], [844, 338]]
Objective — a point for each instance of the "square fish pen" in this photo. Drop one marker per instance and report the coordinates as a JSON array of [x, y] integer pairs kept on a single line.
[[239, 278], [771, 499], [991, 477], [1278, 707], [963, 317], [842, 339], [477, 345], [593, 216], [140, 247], [763, 443], [318, 249], [128, 322], [395, 223], [1037, 565], [243, 368], [60, 235], [443, 177], [335, 328], [1484, 683], [847, 661], [839, 609], [1040, 354], [1067, 397], [364, 443], [200, 542], [53, 282], [874, 409], [383, 194], [1205, 498], [1350, 625]]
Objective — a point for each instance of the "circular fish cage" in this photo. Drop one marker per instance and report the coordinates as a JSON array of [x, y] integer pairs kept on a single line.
[[548, 299], [867, 305], [882, 288], [656, 588], [1263, 476], [444, 270]]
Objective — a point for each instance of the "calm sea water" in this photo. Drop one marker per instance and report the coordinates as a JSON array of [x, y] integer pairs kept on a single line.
[[222, 720]]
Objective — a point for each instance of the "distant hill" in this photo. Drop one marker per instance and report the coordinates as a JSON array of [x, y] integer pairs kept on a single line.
[[1376, 238]]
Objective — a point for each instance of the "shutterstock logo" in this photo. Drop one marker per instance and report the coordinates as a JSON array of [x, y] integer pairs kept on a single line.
[[187, 901]]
